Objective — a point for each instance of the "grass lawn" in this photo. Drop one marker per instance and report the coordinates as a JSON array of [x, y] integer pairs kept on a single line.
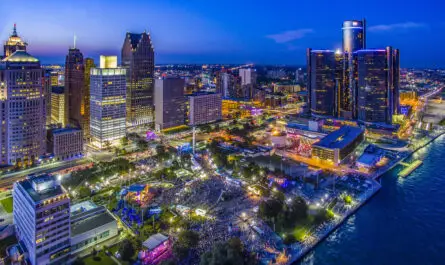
[[7, 204], [100, 258]]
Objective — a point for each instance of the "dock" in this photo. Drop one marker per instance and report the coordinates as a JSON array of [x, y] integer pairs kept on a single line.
[[409, 168]]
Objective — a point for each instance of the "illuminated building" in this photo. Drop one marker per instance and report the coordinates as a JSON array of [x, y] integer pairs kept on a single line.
[[14, 43], [224, 82], [232, 108], [107, 102], [65, 143], [85, 108], [58, 106], [169, 102], [138, 59], [324, 81], [156, 249], [337, 145], [75, 87], [47, 94], [204, 108], [22, 109], [41, 213], [248, 76], [378, 83], [354, 35]]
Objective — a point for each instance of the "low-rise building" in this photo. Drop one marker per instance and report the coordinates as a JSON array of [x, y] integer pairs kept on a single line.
[[65, 143], [90, 225], [337, 145], [155, 249]]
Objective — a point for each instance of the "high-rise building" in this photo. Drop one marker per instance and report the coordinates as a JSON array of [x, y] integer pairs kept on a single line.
[[204, 108], [58, 106], [41, 213], [65, 143], [224, 82], [378, 84], [22, 109], [248, 76], [324, 81], [107, 103], [138, 60], [14, 43], [47, 92], [85, 108], [75, 87], [354, 33], [169, 102]]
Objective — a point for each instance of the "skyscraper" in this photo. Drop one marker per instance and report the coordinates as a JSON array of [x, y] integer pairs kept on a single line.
[[85, 107], [354, 32], [378, 83], [248, 76], [41, 214], [22, 109], [14, 43], [324, 81], [138, 60], [75, 87], [58, 108], [204, 108], [169, 102], [108, 112]]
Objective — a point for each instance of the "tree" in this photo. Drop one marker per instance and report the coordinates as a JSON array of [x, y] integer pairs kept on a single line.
[[188, 238], [126, 249], [124, 141], [270, 208], [84, 192]]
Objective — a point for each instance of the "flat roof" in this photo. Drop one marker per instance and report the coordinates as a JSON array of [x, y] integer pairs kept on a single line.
[[90, 223], [53, 191], [340, 138], [65, 130], [154, 241]]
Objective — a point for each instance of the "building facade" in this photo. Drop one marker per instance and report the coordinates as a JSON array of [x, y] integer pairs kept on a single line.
[[58, 106], [65, 143], [248, 76], [22, 109], [75, 87], [169, 102], [14, 43], [107, 103], [378, 83], [204, 108], [324, 80], [85, 108], [138, 60], [41, 213]]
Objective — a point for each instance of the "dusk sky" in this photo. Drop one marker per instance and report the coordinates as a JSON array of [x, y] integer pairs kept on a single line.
[[230, 31]]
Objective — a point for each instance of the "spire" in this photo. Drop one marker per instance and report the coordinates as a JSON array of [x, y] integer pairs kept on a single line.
[[75, 37], [14, 31]]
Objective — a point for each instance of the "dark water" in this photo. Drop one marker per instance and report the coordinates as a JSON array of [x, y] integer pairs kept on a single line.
[[403, 224]]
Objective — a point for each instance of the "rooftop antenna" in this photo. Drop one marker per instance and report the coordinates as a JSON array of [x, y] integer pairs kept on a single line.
[[14, 31], [75, 37]]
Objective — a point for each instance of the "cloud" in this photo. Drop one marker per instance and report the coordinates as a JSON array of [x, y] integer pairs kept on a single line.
[[397, 26], [290, 35]]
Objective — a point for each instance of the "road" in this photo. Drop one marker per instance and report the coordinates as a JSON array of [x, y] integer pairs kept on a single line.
[[8, 179]]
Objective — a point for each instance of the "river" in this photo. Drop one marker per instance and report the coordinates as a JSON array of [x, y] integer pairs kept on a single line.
[[403, 224]]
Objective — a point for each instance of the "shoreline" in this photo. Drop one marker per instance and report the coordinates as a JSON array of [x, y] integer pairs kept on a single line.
[[300, 255]]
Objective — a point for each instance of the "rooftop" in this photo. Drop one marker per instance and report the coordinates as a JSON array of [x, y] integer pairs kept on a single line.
[[65, 130], [340, 138], [20, 56], [42, 187], [91, 222], [154, 241]]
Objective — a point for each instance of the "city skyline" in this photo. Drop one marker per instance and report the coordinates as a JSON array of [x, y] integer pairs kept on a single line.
[[196, 32]]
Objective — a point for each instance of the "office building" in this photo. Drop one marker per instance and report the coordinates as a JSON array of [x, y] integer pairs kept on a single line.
[[248, 76], [354, 35], [324, 81], [337, 145], [47, 94], [378, 82], [138, 60], [58, 106], [22, 109], [90, 225], [14, 43], [41, 214], [107, 103], [169, 102], [65, 143], [85, 108], [75, 87], [204, 108], [224, 82]]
